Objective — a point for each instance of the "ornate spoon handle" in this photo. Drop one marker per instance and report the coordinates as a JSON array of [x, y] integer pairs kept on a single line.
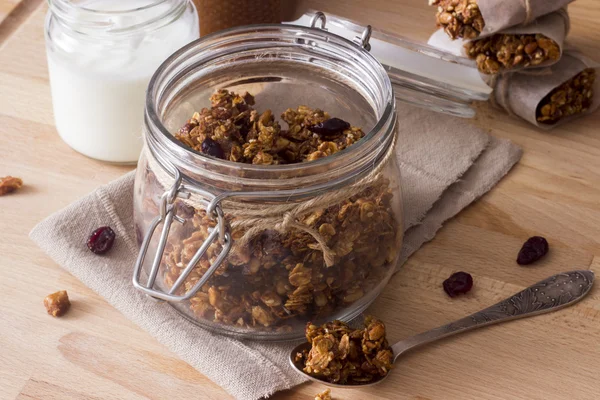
[[551, 294]]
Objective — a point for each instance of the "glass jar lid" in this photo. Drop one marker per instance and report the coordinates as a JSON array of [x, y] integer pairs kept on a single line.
[[422, 75]]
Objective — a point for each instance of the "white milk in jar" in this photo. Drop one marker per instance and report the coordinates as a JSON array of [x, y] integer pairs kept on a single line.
[[101, 56]]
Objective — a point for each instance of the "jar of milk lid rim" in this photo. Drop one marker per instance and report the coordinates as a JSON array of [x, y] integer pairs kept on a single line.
[[101, 56]]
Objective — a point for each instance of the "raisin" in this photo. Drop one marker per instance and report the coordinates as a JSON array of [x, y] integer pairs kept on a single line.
[[533, 249], [101, 240], [330, 127], [212, 148], [458, 283]]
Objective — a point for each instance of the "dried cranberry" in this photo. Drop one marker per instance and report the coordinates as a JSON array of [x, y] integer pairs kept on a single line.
[[212, 148], [329, 127], [101, 240], [458, 283], [533, 249]]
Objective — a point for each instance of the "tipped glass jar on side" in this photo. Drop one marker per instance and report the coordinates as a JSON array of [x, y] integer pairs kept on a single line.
[[254, 250]]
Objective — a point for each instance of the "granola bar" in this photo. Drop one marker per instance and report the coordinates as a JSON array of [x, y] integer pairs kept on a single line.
[[459, 18], [572, 97], [504, 51], [342, 355]]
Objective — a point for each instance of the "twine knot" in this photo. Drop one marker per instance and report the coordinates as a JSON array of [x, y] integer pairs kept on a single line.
[[253, 219]]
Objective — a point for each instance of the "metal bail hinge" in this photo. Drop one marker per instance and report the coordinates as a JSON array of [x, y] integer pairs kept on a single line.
[[166, 216], [362, 40]]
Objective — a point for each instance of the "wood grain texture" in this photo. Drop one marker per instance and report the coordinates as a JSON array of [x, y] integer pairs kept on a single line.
[[6, 7], [95, 353]]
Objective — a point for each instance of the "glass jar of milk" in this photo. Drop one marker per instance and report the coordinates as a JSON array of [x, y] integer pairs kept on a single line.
[[101, 55]]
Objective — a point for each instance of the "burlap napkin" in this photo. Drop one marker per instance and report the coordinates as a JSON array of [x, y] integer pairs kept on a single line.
[[434, 152]]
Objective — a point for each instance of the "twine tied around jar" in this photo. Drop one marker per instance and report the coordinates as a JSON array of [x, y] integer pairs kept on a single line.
[[254, 219]]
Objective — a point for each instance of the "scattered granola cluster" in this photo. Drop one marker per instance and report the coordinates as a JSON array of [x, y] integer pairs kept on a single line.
[[279, 280], [572, 97], [324, 395], [342, 355], [233, 130], [9, 184], [503, 51], [459, 18], [57, 303]]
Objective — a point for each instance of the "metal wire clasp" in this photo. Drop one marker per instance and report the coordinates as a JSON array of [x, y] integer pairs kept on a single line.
[[166, 216], [362, 40]]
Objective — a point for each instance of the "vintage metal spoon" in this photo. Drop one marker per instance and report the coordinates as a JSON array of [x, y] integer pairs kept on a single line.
[[551, 294]]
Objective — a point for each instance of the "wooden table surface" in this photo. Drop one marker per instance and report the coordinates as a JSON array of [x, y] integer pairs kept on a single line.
[[95, 353]]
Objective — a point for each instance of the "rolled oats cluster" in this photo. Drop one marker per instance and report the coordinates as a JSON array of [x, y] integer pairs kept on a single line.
[[505, 51], [324, 395], [57, 304], [233, 130], [342, 355], [10, 184], [459, 18], [280, 279], [573, 97]]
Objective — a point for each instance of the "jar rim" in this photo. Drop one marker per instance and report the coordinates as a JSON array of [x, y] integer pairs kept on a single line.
[[85, 20], [67, 4], [161, 140]]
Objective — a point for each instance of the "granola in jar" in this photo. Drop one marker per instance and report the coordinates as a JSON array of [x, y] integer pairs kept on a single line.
[[233, 130], [281, 278]]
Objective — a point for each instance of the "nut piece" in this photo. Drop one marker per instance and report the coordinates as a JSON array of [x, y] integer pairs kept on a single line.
[[57, 303], [9, 184], [325, 395], [573, 97], [345, 356], [459, 18], [503, 51]]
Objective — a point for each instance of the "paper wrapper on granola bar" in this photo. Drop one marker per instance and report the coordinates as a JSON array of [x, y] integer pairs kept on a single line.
[[554, 26], [470, 19], [501, 14], [522, 93]]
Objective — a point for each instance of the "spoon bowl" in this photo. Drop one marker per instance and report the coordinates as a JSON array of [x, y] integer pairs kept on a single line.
[[551, 294], [299, 367]]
